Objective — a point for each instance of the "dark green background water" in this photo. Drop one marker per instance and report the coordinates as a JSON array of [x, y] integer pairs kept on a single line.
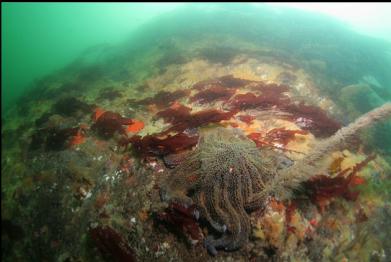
[[38, 39]]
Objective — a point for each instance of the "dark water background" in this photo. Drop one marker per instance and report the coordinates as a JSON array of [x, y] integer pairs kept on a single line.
[[40, 39]]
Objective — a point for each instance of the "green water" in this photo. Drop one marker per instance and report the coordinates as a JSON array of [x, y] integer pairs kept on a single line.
[[65, 64], [38, 39], [41, 38]]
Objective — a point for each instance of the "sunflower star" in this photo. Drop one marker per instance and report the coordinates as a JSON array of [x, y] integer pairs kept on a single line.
[[224, 172]]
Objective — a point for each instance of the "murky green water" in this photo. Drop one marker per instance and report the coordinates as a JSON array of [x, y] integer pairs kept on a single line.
[[62, 63]]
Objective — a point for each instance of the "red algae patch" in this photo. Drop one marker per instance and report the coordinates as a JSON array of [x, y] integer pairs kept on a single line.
[[181, 118], [313, 119], [109, 123], [214, 93], [176, 113], [277, 137], [153, 145], [322, 188]]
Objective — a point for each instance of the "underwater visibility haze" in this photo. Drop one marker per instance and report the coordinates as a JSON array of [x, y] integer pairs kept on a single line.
[[196, 132]]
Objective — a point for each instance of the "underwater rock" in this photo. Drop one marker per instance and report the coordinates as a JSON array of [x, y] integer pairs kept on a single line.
[[43, 119], [164, 98], [229, 81], [169, 58], [109, 94], [70, 106], [11, 229], [286, 78], [11, 233], [220, 54], [53, 138], [173, 160], [90, 74]]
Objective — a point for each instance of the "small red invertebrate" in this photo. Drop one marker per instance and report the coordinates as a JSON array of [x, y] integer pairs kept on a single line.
[[231, 82]]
